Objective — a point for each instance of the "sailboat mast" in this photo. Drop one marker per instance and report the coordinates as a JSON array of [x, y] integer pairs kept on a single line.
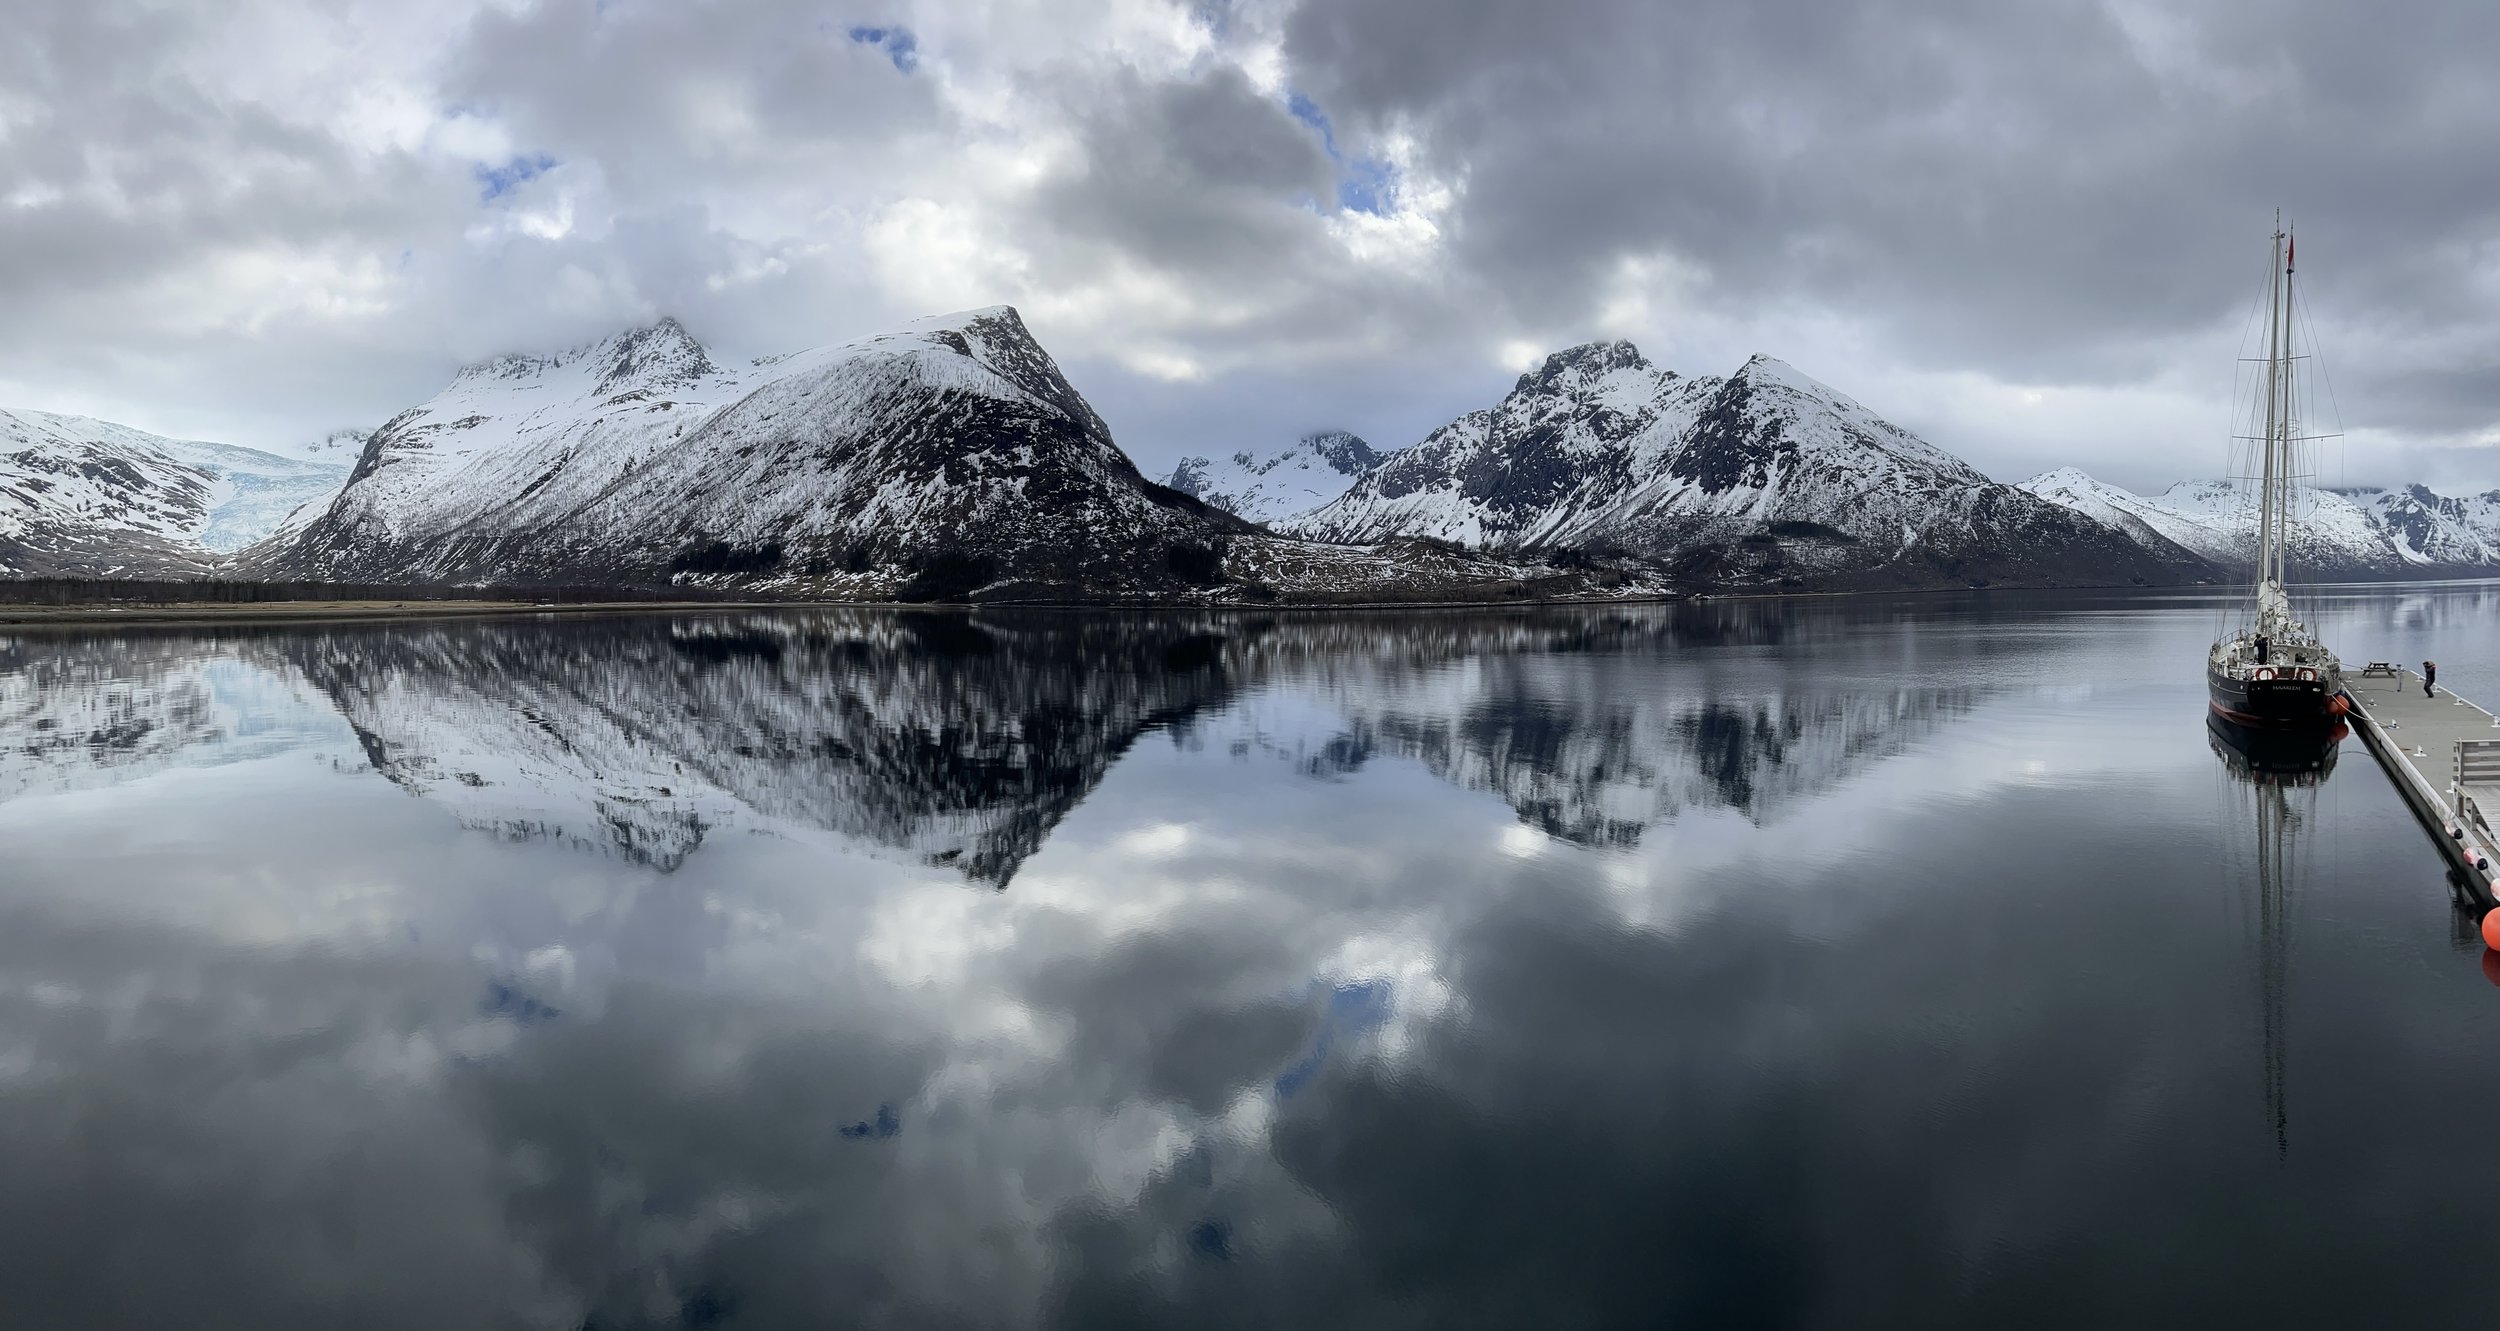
[[2290, 426], [2266, 534]]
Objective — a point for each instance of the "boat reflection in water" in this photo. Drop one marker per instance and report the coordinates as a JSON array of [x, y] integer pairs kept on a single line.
[[2277, 774], [2273, 757]]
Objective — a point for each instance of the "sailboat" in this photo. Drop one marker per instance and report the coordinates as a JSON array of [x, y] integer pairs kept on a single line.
[[2272, 671]]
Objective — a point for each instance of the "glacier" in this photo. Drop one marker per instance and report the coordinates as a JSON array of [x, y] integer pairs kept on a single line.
[[79, 495]]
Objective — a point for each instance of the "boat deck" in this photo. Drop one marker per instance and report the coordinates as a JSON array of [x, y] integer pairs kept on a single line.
[[2415, 737]]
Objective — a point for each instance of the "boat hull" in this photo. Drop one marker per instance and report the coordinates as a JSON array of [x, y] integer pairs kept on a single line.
[[2277, 755], [2274, 704]]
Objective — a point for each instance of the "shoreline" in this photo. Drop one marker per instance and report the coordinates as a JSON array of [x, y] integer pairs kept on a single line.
[[94, 614], [288, 612]]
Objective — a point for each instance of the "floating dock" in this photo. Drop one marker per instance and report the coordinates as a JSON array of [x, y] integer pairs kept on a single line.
[[2443, 753]]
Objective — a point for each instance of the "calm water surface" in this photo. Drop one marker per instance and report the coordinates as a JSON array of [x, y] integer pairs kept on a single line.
[[1892, 963]]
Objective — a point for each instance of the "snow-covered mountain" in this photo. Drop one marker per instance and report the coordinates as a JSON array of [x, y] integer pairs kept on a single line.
[[79, 495], [2335, 533], [1269, 487], [640, 458], [1765, 475], [2431, 528]]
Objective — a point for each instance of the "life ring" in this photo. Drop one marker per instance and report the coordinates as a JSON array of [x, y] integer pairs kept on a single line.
[[2262, 672], [2307, 673]]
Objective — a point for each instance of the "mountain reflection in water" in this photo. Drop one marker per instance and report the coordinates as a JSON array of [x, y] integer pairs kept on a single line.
[[961, 741], [1826, 963]]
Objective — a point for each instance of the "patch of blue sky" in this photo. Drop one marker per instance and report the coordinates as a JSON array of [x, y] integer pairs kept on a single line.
[[1367, 185], [1364, 184], [897, 42], [494, 182], [1353, 1010], [503, 1000], [1216, 14], [1308, 112]]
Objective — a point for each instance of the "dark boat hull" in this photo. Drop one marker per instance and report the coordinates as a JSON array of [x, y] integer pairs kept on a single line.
[[2274, 704], [2277, 755]]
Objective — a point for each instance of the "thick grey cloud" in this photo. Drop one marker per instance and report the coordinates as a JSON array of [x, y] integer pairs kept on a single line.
[[2063, 194], [2029, 232]]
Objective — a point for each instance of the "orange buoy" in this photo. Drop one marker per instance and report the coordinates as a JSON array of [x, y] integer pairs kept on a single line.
[[2491, 931], [2338, 705]]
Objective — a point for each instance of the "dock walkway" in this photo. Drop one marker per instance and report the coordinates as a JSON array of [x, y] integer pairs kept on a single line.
[[2417, 738]]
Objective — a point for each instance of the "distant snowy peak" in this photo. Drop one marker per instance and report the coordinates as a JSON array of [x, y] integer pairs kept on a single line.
[[2140, 519], [2333, 532], [1574, 427], [1270, 487], [2433, 528], [84, 495], [658, 355], [1349, 453]]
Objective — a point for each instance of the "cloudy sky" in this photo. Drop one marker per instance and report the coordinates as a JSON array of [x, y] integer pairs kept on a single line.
[[2033, 233]]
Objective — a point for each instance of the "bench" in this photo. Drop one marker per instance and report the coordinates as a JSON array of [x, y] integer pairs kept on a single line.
[[2387, 668]]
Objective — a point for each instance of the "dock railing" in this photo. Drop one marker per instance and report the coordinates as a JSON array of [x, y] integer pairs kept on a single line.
[[2477, 788]]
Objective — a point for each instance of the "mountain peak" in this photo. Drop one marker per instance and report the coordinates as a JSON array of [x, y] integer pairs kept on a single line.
[[1272, 485], [1589, 360], [2069, 477], [657, 354], [1347, 452], [961, 319], [661, 354], [1764, 368]]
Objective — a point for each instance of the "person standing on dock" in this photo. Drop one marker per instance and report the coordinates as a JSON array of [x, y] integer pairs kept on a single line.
[[2430, 679]]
